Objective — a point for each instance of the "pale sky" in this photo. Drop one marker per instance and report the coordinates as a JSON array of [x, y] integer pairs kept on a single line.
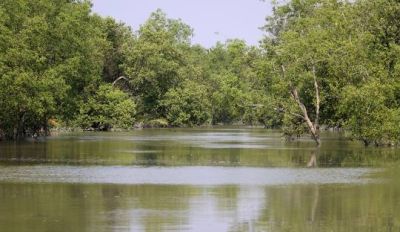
[[212, 20]]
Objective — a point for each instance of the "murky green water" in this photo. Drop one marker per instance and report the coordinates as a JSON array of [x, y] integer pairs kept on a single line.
[[197, 180]]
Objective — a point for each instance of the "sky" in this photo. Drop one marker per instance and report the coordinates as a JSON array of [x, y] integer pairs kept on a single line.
[[212, 20]]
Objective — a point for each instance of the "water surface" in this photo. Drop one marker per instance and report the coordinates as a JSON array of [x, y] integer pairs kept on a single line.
[[233, 179]]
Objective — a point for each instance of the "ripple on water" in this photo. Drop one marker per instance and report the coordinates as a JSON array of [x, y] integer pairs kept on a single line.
[[184, 175]]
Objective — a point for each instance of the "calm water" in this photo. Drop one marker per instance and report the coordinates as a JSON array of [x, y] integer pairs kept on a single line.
[[197, 180]]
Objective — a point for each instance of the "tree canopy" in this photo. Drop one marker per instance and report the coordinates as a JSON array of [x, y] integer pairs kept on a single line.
[[321, 64]]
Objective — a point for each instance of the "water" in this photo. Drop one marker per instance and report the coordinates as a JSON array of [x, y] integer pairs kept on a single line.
[[196, 180], [182, 175]]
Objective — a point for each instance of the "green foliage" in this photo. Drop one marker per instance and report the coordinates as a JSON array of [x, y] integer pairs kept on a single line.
[[228, 101], [157, 123], [119, 38], [188, 105], [369, 104], [369, 115], [107, 108], [58, 60], [50, 53], [353, 48], [293, 127], [155, 61], [234, 82]]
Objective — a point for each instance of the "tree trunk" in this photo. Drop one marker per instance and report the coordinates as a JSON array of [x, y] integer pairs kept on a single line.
[[46, 129], [312, 126], [20, 127], [317, 106]]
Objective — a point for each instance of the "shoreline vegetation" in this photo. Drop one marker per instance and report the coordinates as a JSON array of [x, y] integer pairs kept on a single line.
[[322, 63]]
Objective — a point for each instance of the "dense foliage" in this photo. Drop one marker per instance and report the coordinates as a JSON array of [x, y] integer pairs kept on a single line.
[[107, 107], [50, 54], [322, 63], [336, 63]]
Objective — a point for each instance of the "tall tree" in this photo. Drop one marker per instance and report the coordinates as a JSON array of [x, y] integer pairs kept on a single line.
[[155, 61], [119, 38], [50, 54], [300, 51]]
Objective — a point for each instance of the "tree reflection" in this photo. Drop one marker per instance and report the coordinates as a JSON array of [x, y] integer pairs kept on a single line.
[[313, 159]]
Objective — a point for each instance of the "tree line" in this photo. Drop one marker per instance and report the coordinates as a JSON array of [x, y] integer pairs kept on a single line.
[[321, 63]]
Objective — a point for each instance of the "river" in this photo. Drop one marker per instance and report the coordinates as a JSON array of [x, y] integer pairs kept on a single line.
[[223, 179]]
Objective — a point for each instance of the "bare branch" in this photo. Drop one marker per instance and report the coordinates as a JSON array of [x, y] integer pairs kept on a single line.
[[294, 114], [297, 115], [318, 101], [313, 128], [120, 78]]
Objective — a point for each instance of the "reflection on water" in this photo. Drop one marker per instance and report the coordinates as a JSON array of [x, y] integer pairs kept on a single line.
[[183, 147], [78, 207], [197, 180]]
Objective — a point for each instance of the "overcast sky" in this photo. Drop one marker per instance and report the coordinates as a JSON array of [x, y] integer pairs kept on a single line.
[[212, 20]]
